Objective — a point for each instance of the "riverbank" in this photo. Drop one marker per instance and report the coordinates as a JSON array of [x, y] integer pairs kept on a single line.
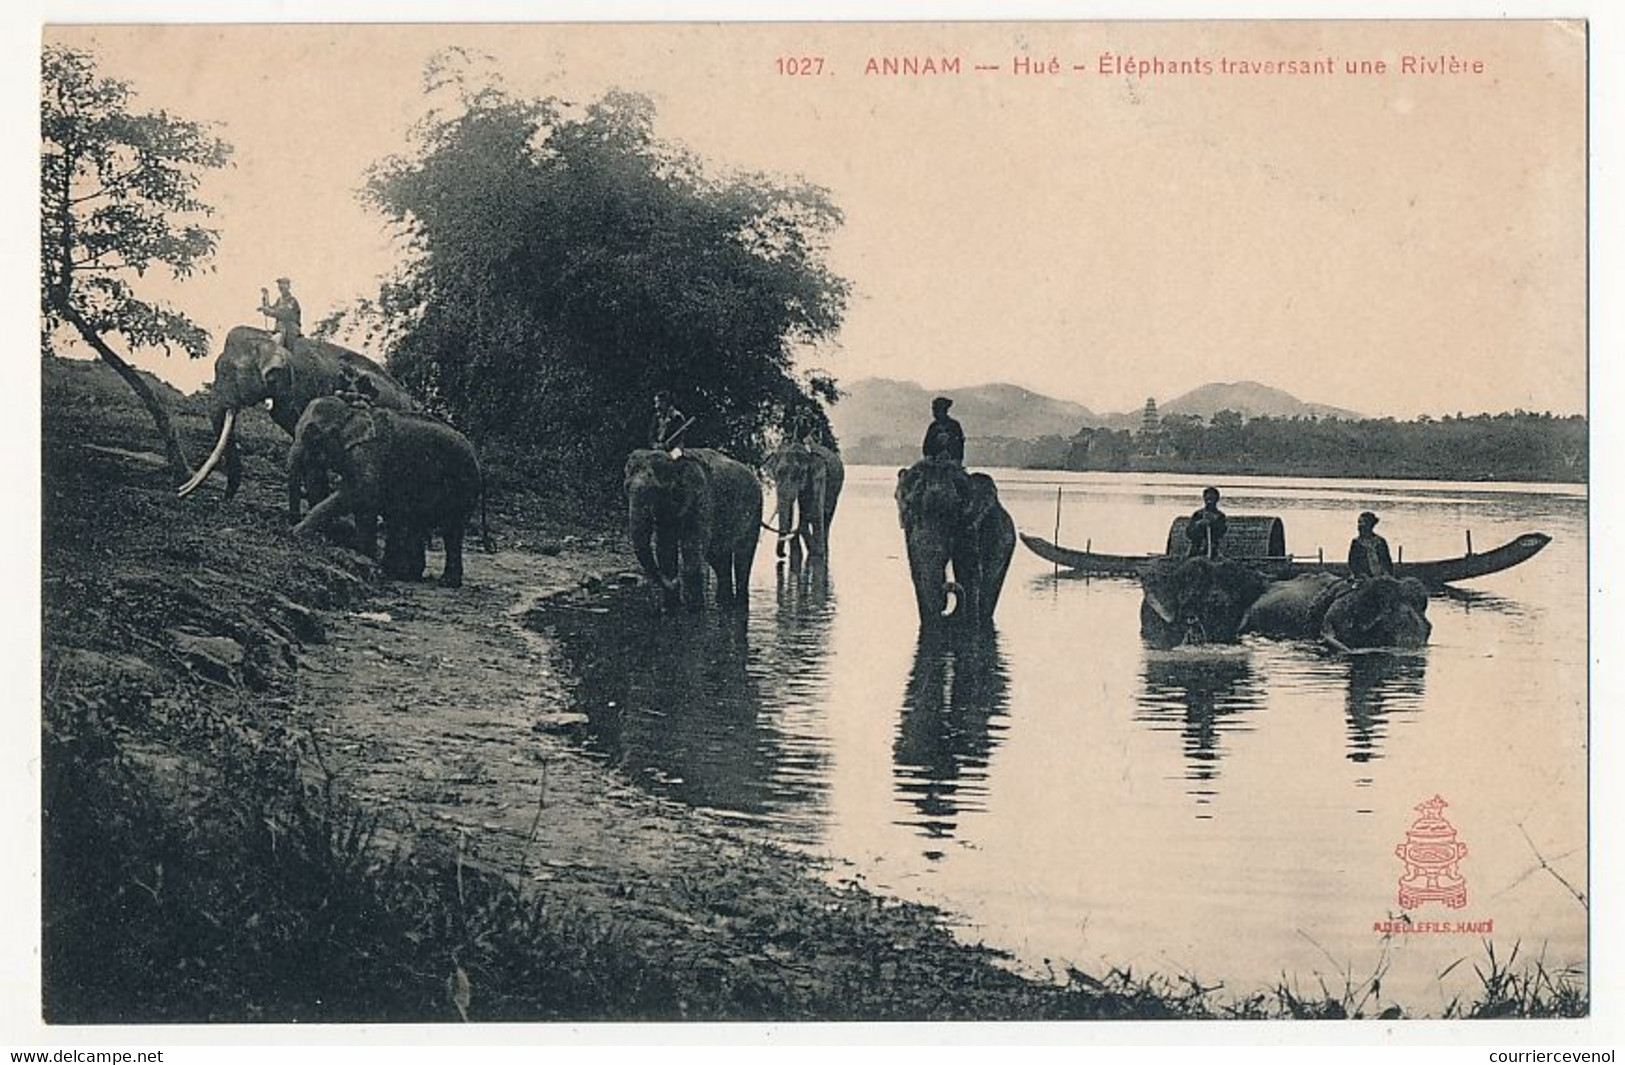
[[278, 789]]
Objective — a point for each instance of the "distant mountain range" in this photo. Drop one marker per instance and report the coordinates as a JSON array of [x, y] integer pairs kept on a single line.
[[876, 414]]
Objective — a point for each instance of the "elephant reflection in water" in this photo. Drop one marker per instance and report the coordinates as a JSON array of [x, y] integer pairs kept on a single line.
[[677, 707], [1380, 683], [957, 696], [1203, 695]]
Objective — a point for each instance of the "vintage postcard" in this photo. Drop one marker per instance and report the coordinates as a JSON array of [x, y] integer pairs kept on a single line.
[[814, 521]]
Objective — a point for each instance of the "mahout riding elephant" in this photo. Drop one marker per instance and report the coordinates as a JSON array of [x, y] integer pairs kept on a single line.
[[700, 507], [954, 518], [1195, 600], [253, 367], [1347, 614], [416, 473], [807, 480]]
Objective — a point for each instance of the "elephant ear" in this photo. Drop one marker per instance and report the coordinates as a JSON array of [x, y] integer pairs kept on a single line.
[[363, 426], [981, 500], [908, 481]]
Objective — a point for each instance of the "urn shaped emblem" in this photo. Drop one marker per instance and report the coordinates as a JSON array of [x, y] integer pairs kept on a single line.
[[1431, 853]]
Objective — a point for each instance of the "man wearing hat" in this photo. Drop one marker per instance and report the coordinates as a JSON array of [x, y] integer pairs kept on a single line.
[[944, 439], [1368, 552], [1205, 530], [284, 312]]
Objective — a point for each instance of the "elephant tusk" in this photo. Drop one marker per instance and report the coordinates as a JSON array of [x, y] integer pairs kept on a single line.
[[1160, 608], [953, 594], [214, 457]]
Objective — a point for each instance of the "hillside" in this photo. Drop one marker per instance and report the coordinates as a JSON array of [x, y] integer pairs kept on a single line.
[[1252, 400], [879, 413], [882, 420]]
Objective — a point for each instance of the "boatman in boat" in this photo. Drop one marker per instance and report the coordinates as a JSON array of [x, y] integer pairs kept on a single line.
[[1205, 531], [944, 438], [1368, 552]]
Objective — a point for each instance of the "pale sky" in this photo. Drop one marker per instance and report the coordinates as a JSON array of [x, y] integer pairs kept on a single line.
[[1395, 244]]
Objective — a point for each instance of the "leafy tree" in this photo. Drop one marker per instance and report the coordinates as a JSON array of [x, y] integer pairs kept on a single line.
[[566, 264], [117, 197]]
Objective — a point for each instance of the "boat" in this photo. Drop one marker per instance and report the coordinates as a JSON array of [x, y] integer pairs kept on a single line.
[[1261, 541]]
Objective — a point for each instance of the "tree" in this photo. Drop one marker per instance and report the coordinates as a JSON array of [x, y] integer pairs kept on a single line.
[[117, 197], [566, 264]]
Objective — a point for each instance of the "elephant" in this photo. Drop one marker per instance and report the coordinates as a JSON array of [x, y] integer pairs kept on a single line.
[[807, 480], [696, 507], [951, 517], [415, 472], [253, 367], [1195, 600], [1347, 614]]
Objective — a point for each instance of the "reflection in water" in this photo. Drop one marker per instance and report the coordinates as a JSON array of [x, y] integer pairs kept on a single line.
[[1202, 694], [1380, 683], [953, 712], [703, 707]]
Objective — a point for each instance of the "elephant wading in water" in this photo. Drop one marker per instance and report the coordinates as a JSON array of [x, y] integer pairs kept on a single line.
[[415, 472], [1195, 600], [253, 367], [807, 480], [684, 513], [953, 518], [1347, 614]]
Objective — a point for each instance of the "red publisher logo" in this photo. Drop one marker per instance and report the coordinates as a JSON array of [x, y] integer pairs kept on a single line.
[[1431, 853]]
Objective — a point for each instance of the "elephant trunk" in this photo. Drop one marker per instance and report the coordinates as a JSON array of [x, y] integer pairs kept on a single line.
[[227, 424], [934, 595], [787, 506], [640, 525]]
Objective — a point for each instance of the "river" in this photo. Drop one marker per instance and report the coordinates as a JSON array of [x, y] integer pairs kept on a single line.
[[1072, 797]]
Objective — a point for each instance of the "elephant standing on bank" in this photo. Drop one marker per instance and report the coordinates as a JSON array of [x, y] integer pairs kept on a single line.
[[683, 513], [1346, 614], [807, 480], [1195, 600], [416, 473], [253, 367], [953, 518]]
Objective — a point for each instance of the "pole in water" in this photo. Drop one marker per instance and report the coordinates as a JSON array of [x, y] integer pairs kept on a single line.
[[1469, 541], [1056, 567]]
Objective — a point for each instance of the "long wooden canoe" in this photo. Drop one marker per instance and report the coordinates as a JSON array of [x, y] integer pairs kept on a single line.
[[1434, 573]]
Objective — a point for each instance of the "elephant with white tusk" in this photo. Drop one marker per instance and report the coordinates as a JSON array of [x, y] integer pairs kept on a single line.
[[953, 518], [253, 367], [415, 473], [807, 480]]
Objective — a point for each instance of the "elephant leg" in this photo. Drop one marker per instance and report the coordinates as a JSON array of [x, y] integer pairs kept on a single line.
[[742, 561], [817, 529], [666, 562], [723, 568], [452, 534], [366, 532], [692, 558], [993, 581]]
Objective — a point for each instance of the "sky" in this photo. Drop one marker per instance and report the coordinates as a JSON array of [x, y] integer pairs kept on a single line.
[[1395, 243]]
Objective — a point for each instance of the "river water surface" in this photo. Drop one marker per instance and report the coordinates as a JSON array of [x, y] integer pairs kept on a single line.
[[1073, 797]]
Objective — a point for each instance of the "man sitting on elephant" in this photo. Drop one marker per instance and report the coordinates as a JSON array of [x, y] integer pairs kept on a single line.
[[1368, 552], [284, 312], [951, 518]]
